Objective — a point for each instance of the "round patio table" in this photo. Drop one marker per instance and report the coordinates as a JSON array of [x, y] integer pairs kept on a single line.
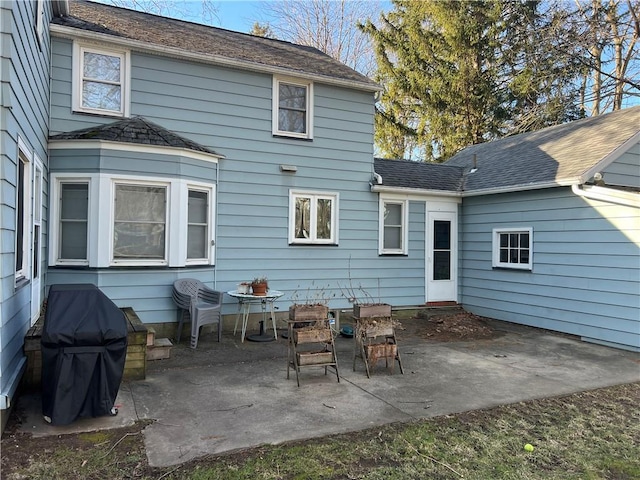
[[245, 301]]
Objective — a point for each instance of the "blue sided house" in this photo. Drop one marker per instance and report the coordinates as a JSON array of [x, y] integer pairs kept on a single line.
[[137, 150]]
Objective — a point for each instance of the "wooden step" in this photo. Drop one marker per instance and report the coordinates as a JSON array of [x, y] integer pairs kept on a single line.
[[160, 349], [151, 336]]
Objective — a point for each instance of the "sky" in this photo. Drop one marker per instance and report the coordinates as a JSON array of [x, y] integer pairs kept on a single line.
[[238, 15]]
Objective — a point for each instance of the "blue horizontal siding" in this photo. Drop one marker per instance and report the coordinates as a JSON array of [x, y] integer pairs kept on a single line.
[[625, 171], [585, 270]]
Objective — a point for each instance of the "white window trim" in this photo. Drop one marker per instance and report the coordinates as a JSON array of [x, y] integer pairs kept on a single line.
[[276, 107], [125, 79], [25, 156], [404, 243], [100, 223], [314, 194], [495, 240], [210, 190]]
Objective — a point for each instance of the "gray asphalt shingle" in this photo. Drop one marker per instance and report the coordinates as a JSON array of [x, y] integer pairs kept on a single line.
[[554, 155], [134, 130], [208, 41]]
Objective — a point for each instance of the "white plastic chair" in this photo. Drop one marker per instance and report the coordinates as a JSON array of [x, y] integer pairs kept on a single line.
[[202, 303]]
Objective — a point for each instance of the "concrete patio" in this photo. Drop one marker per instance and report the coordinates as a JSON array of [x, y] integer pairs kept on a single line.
[[233, 395]]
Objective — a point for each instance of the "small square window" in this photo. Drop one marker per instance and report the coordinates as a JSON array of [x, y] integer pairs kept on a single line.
[[101, 81], [292, 108], [313, 218], [512, 248]]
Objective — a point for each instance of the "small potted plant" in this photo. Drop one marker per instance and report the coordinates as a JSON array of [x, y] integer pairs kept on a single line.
[[259, 286], [244, 288]]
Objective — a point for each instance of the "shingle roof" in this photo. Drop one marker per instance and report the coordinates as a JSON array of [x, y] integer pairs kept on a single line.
[[137, 130], [209, 42], [558, 154], [418, 175], [561, 154]]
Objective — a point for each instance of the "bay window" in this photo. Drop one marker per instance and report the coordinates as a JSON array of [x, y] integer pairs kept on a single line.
[[107, 220]]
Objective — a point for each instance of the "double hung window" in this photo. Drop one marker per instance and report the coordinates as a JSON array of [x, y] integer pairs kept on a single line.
[[393, 226], [292, 108], [101, 81]]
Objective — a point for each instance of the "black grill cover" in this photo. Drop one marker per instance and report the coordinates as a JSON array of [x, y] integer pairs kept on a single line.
[[84, 345]]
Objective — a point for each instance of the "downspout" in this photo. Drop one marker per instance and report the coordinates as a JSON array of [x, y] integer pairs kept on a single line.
[[13, 382], [215, 235]]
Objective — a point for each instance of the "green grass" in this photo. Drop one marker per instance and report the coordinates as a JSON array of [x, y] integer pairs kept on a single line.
[[590, 435]]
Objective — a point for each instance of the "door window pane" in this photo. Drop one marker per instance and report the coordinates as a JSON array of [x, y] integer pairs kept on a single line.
[[442, 265], [140, 217], [441, 250]]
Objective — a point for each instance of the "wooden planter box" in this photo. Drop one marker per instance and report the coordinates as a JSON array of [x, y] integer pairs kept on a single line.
[[312, 336], [314, 358], [305, 313], [373, 310], [378, 351]]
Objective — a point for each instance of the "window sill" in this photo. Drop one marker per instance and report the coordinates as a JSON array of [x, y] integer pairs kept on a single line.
[[21, 283], [292, 137], [513, 269]]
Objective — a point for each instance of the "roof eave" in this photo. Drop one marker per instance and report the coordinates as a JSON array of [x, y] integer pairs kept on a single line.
[[75, 33], [73, 144], [521, 188]]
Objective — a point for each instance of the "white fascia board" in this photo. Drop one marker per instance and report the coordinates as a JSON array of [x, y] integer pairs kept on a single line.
[[139, 46], [133, 147], [417, 194], [610, 158]]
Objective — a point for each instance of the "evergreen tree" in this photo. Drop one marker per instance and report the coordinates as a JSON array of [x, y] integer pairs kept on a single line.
[[462, 72]]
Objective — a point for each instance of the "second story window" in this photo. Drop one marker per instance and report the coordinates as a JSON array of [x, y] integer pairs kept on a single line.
[[292, 108], [101, 81]]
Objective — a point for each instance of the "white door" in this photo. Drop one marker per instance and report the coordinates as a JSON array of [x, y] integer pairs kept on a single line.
[[36, 242], [442, 254]]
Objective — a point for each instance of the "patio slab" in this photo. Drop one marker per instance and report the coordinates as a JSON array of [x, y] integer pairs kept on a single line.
[[232, 395]]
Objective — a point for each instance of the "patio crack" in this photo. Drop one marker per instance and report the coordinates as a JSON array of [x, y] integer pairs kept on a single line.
[[377, 397]]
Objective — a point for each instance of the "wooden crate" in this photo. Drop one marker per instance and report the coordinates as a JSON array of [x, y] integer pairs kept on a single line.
[[304, 313], [312, 335], [314, 358], [378, 351], [373, 310]]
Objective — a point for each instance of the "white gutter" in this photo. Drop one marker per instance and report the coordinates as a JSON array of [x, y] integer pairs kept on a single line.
[[414, 191], [609, 195], [12, 384], [140, 46]]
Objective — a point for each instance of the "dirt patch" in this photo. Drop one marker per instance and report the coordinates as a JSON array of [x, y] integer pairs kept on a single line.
[[456, 326]]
